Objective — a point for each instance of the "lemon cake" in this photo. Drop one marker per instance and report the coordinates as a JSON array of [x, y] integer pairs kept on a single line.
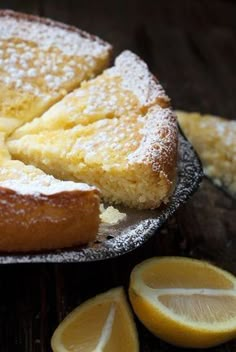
[[116, 132], [41, 61], [214, 139], [39, 212]]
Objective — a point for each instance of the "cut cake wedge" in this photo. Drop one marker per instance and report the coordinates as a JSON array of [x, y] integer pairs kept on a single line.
[[116, 132]]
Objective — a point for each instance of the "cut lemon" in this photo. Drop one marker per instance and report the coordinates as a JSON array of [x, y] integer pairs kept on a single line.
[[101, 324], [185, 302]]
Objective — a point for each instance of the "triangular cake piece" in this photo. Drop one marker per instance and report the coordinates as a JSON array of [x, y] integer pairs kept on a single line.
[[39, 212], [116, 132], [214, 139], [41, 61]]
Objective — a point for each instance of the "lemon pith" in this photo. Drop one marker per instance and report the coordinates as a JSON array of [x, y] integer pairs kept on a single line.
[[197, 316]]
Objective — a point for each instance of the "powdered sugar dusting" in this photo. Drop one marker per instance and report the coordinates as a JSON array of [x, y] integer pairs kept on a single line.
[[41, 59], [46, 36], [27, 180], [102, 95], [159, 143], [137, 78]]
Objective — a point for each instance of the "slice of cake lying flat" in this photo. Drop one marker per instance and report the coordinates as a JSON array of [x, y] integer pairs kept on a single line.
[[39, 212], [40, 62], [214, 139], [116, 132]]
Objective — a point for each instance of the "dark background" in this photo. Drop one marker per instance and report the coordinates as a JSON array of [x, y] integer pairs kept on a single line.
[[191, 47]]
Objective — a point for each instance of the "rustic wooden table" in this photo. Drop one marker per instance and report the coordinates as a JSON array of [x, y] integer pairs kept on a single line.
[[191, 47]]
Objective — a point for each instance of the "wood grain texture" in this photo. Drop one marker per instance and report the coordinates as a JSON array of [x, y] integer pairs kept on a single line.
[[190, 46]]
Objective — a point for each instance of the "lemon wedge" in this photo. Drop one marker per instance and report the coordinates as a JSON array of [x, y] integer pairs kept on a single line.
[[186, 302], [101, 324]]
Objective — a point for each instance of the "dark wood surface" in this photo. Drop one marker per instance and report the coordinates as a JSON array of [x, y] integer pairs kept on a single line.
[[191, 47]]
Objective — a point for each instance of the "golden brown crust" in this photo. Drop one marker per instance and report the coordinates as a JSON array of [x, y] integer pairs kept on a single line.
[[32, 223]]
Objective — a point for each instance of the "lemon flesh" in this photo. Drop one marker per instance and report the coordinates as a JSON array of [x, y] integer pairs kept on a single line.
[[101, 324], [185, 302]]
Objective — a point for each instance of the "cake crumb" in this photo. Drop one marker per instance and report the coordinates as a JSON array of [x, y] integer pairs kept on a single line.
[[111, 215]]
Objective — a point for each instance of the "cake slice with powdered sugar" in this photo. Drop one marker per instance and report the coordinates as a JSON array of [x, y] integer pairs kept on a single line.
[[116, 132]]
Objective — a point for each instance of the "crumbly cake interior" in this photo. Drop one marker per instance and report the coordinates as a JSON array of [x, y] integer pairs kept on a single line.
[[39, 64], [116, 132], [214, 139]]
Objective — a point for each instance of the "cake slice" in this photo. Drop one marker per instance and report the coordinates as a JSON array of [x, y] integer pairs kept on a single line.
[[214, 139], [41, 61], [39, 212], [116, 132]]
